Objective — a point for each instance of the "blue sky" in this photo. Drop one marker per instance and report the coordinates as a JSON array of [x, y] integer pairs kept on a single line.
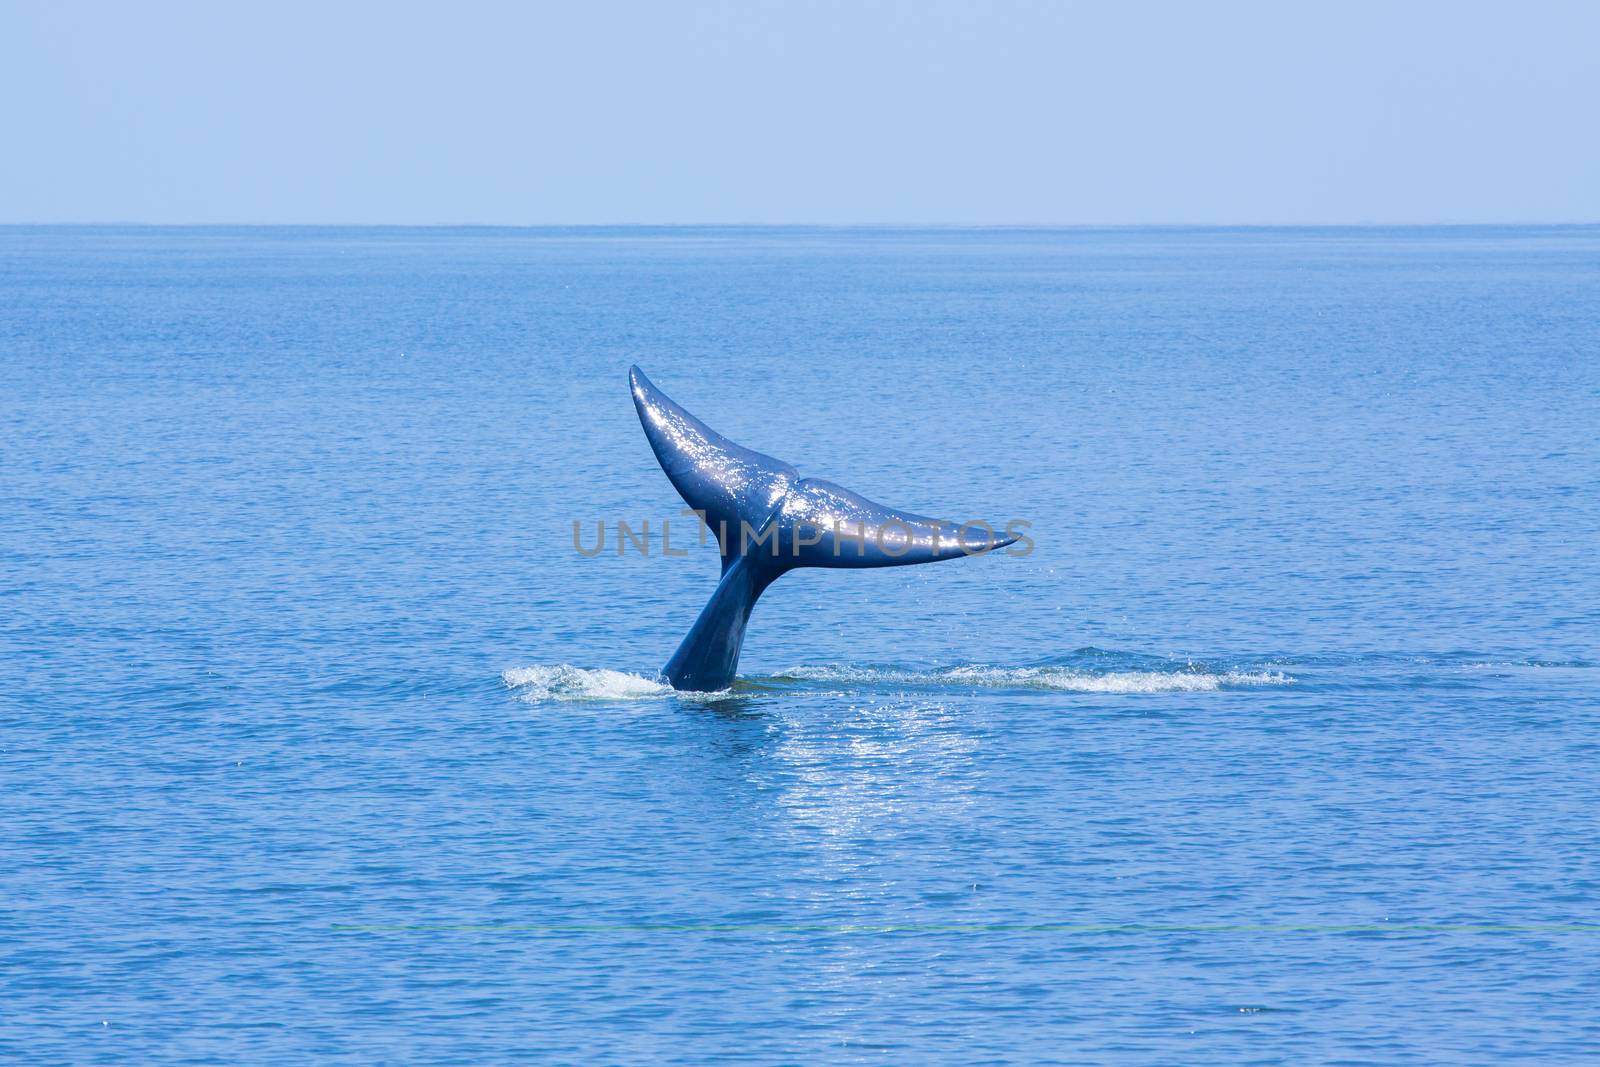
[[858, 112]]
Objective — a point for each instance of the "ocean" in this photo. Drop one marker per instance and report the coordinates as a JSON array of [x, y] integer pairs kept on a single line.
[[321, 741]]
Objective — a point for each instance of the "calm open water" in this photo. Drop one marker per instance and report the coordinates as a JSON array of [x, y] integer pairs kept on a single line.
[[319, 742]]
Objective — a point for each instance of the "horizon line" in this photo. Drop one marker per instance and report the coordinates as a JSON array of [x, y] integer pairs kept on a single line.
[[1374, 224]]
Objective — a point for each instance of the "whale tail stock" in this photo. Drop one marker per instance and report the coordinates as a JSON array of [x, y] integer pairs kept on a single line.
[[769, 520]]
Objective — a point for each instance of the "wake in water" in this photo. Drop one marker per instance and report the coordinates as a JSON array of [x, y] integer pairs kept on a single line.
[[1065, 679], [1087, 671]]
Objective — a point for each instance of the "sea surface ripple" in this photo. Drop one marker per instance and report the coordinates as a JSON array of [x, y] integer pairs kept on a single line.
[[320, 742]]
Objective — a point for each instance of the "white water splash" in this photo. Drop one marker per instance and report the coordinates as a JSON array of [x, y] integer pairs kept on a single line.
[[1065, 679], [566, 682]]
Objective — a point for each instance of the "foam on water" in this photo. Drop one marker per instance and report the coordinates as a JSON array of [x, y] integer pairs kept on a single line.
[[564, 682], [1067, 679]]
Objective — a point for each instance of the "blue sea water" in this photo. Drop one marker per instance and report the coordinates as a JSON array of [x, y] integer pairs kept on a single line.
[[319, 742]]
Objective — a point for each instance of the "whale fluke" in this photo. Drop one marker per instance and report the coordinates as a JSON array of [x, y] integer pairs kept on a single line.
[[769, 520]]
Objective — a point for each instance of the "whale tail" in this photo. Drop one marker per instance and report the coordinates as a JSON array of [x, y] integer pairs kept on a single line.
[[769, 520], [708, 656]]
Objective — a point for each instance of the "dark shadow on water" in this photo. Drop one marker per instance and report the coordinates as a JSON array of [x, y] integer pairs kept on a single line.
[[735, 706], [743, 700]]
